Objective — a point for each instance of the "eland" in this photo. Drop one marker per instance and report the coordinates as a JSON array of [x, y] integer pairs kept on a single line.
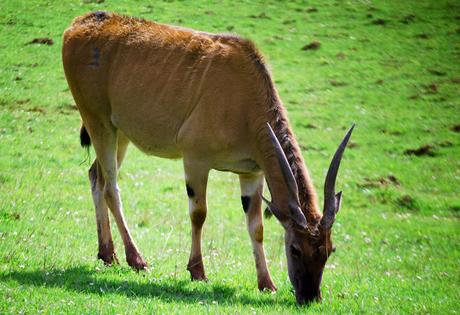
[[210, 100]]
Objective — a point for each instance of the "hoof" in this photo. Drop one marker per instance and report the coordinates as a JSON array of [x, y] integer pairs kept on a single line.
[[136, 261], [107, 254], [267, 285], [196, 268], [108, 260]]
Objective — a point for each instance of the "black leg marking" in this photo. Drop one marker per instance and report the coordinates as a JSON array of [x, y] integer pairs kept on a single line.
[[245, 200], [190, 192]]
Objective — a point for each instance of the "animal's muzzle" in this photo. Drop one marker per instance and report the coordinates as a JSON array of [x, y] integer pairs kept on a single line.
[[308, 297]]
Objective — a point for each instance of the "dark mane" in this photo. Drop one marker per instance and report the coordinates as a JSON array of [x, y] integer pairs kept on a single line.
[[279, 121]]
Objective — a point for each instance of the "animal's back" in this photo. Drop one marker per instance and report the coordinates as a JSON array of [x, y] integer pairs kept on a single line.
[[161, 85]]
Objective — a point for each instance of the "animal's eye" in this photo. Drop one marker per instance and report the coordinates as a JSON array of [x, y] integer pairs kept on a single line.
[[322, 251], [295, 251]]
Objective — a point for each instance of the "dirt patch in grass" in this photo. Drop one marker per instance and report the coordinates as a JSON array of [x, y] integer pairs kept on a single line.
[[314, 45], [445, 144], [422, 36], [407, 202], [379, 21], [22, 102], [262, 15], [310, 148], [341, 56], [36, 109], [410, 18], [431, 88], [391, 132], [352, 145], [425, 90], [437, 72], [455, 208], [455, 128], [425, 150], [309, 126], [67, 109], [42, 40], [383, 181], [11, 216], [287, 22], [337, 83]]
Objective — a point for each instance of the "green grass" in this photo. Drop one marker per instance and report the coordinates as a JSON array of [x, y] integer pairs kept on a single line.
[[397, 241]]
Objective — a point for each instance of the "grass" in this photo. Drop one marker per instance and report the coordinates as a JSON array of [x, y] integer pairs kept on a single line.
[[392, 67]]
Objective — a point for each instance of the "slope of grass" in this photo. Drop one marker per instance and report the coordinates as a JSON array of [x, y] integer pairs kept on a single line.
[[392, 67]]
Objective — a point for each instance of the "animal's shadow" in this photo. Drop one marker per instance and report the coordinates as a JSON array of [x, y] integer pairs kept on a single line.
[[86, 281]]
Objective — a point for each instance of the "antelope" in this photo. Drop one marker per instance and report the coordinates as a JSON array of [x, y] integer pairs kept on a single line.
[[210, 100]]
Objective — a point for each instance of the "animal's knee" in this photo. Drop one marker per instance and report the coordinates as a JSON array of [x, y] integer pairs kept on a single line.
[[256, 230], [197, 205], [111, 194], [198, 213]]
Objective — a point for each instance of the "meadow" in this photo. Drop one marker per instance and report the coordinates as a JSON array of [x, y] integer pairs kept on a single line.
[[391, 67]]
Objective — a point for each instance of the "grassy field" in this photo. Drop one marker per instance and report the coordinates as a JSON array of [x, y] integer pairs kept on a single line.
[[392, 67]]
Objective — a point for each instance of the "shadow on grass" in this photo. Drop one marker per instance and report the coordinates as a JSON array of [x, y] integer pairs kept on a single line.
[[85, 280]]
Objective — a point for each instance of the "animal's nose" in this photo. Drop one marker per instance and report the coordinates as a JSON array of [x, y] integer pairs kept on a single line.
[[309, 298]]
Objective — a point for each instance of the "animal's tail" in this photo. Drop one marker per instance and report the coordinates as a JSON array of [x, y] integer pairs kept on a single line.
[[85, 140]]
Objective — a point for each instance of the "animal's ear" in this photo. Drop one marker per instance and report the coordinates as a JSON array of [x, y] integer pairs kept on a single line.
[[274, 209], [298, 217], [338, 201], [295, 216], [331, 199]]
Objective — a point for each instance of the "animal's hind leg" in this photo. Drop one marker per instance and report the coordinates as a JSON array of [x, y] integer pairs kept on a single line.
[[104, 139], [196, 178], [251, 190], [106, 248]]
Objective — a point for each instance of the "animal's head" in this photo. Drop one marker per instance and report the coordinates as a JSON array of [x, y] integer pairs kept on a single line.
[[307, 247]]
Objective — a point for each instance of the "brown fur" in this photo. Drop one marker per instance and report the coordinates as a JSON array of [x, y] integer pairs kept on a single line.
[[177, 92]]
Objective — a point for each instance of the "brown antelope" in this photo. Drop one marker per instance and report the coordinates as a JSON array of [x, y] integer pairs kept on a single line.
[[210, 100]]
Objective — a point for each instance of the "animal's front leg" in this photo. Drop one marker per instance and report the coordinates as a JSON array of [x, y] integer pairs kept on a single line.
[[251, 190], [196, 178]]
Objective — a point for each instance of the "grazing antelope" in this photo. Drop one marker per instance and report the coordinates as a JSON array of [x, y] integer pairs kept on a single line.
[[208, 99]]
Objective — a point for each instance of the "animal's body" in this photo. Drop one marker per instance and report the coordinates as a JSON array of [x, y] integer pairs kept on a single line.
[[205, 98]]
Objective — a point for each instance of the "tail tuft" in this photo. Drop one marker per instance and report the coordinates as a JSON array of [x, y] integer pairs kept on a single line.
[[85, 140], [267, 213]]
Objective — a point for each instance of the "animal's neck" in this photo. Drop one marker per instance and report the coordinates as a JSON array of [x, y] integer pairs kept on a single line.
[[277, 117], [307, 195]]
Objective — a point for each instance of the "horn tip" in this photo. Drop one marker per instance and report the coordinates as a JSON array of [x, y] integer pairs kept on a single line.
[[351, 128]]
